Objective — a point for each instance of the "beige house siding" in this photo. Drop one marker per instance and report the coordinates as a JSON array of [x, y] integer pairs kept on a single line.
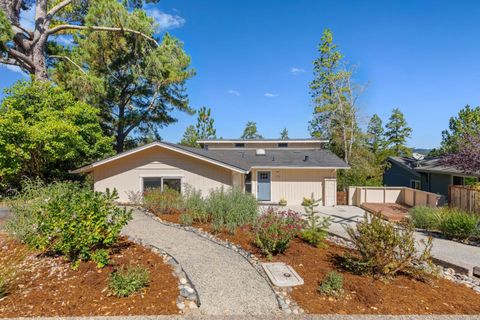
[[126, 174], [295, 184]]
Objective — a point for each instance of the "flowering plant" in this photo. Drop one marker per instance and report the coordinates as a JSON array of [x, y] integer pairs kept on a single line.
[[274, 229]]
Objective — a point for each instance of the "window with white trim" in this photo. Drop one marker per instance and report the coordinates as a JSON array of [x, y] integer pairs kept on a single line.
[[415, 184], [162, 183]]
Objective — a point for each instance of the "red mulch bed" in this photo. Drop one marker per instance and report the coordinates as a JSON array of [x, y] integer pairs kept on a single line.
[[363, 294], [47, 286], [393, 212]]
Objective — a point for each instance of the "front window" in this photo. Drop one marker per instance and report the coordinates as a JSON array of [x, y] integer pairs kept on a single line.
[[458, 181], [174, 184], [162, 183], [239, 145], [415, 184]]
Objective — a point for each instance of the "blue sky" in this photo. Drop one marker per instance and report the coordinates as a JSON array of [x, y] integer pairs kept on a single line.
[[254, 60]]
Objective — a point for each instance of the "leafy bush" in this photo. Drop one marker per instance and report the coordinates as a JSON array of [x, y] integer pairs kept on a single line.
[[128, 280], [385, 250], [230, 209], [186, 219], [162, 202], [459, 225], [273, 230], [135, 197], [315, 231], [426, 217], [67, 218], [195, 206], [332, 285]]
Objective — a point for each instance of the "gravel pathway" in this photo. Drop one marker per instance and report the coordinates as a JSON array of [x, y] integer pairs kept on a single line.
[[227, 284]]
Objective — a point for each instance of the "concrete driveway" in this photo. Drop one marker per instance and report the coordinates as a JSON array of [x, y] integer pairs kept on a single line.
[[461, 257], [4, 212]]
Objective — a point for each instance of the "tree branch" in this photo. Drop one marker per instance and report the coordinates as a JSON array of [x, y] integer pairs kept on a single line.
[[97, 28], [71, 61], [57, 8], [20, 56]]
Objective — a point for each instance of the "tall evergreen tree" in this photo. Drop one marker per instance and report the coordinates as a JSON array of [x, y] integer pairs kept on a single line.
[[135, 84], [397, 134], [251, 132], [284, 134], [28, 48], [375, 134], [205, 128], [466, 124], [334, 96]]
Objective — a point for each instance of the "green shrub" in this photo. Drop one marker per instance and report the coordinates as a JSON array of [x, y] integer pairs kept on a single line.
[[195, 206], [167, 201], [459, 225], [230, 209], [426, 217], [186, 219], [67, 218], [332, 285], [385, 250], [273, 230], [128, 280], [315, 231]]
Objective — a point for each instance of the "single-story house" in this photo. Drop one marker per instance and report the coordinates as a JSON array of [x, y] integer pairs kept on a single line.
[[424, 174], [270, 169]]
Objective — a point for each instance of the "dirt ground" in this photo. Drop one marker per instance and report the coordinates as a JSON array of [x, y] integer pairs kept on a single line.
[[47, 286], [363, 294]]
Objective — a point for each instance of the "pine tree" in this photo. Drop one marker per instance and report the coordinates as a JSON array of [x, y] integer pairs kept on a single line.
[[250, 131], [284, 134], [397, 134], [334, 96], [375, 134], [204, 129]]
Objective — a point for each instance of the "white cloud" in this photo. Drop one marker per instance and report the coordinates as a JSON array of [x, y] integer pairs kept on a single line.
[[270, 95], [165, 20], [297, 70], [234, 92]]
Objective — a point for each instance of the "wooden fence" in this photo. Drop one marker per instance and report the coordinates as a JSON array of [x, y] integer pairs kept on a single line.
[[464, 198], [400, 195]]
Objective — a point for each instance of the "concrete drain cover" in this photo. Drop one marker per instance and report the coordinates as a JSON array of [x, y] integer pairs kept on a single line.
[[282, 275]]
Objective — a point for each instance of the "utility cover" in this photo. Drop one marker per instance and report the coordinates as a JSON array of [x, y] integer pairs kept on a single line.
[[282, 275]]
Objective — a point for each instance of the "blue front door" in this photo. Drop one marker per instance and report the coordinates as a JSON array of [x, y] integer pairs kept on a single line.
[[263, 189]]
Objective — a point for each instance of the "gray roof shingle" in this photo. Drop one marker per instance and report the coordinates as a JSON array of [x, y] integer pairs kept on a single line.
[[246, 158]]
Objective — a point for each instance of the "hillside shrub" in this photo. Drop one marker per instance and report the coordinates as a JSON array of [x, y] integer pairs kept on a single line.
[[231, 208], [426, 217], [168, 201], [67, 218], [332, 285], [195, 206], [315, 230], [128, 280], [385, 250], [460, 225], [274, 229]]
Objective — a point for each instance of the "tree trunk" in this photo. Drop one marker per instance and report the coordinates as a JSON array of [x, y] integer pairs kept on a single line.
[[119, 142]]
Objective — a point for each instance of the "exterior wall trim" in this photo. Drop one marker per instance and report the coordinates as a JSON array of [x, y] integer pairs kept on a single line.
[[148, 146]]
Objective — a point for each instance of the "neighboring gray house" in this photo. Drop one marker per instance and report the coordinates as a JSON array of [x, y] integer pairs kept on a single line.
[[423, 174]]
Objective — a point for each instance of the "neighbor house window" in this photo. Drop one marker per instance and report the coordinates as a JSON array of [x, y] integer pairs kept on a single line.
[[283, 145], [415, 184], [162, 183], [239, 145], [458, 181]]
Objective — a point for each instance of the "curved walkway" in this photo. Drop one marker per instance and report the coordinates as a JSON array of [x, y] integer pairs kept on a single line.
[[226, 283]]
